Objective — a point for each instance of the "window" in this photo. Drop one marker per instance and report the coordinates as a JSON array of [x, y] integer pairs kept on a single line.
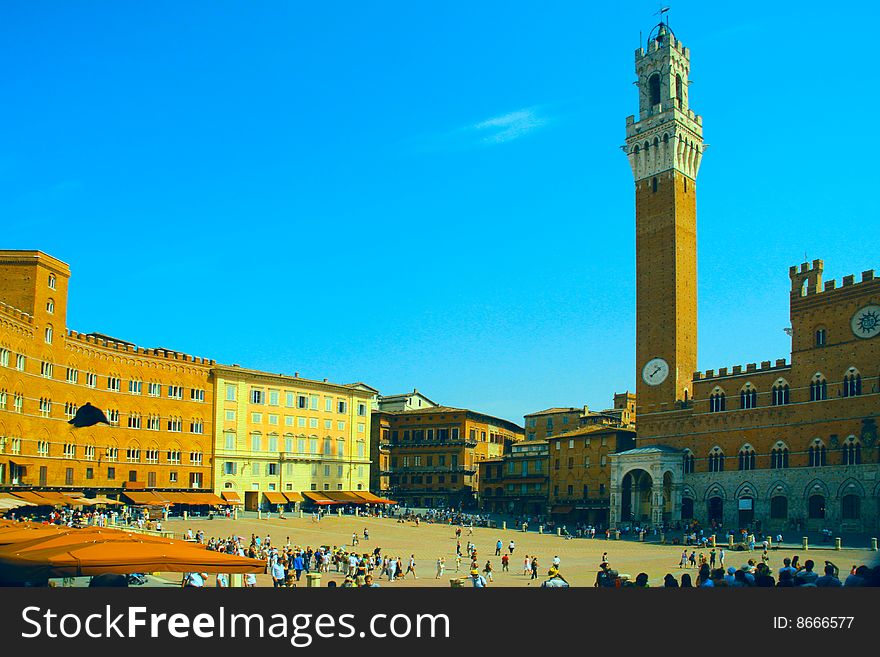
[[852, 385], [47, 335], [302, 401], [230, 416], [340, 448], [852, 452], [230, 392], [114, 383], [362, 409], [313, 402], [229, 440], [72, 375], [90, 473], [679, 92], [342, 407], [133, 455], [779, 457], [271, 469], [69, 409], [195, 458], [152, 456], [716, 402], [818, 388], [175, 424], [256, 442], [196, 426], [111, 473], [134, 421], [273, 442], [174, 457], [197, 394], [17, 402], [747, 458], [50, 306], [570, 463], [51, 281], [781, 394], [175, 392], [256, 418], [154, 389], [289, 399], [112, 454], [153, 422], [688, 462], [654, 89], [45, 407], [69, 451], [273, 397], [172, 477], [571, 443], [19, 362], [716, 460], [818, 455], [748, 397], [821, 337], [135, 387], [89, 453], [4, 357], [195, 479], [603, 461], [46, 369]]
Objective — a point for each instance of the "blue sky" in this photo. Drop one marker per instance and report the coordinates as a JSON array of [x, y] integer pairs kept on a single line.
[[424, 195]]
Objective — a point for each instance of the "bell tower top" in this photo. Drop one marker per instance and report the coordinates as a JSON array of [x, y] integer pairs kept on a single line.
[[665, 117]]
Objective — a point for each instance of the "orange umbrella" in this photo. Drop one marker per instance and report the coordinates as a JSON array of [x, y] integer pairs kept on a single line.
[[120, 557]]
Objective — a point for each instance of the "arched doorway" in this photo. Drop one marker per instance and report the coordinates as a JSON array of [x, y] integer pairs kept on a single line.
[[635, 496], [779, 507], [816, 507], [715, 509], [746, 509], [687, 508]]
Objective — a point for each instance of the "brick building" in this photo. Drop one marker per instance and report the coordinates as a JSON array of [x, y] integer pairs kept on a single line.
[[778, 444]]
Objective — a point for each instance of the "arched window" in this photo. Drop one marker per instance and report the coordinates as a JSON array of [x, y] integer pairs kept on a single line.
[[654, 89], [852, 384], [821, 337], [716, 460], [679, 91], [779, 457], [818, 388], [747, 458], [850, 507], [48, 335], [748, 397], [52, 279], [50, 306], [688, 462], [818, 456], [781, 393], [852, 451], [717, 402], [328, 447]]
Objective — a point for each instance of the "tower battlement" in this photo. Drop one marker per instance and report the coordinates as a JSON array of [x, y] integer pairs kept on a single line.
[[806, 280], [132, 349], [737, 370]]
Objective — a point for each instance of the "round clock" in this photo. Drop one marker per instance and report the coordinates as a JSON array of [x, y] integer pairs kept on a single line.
[[655, 371], [866, 322]]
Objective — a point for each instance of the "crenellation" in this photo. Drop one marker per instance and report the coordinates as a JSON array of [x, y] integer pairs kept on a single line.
[[849, 280], [722, 371], [867, 275], [751, 367], [737, 369]]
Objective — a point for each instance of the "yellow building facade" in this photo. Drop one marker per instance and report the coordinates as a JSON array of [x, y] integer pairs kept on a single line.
[[280, 436]]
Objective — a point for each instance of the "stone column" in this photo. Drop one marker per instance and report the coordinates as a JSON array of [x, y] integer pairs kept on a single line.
[[313, 580], [837, 543], [635, 502], [805, 544], [873, 544]]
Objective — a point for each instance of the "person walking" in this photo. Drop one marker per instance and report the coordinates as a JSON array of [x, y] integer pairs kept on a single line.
[[684, 559], [440, 566], [505, 563], [411, 568], [511, 547], [487, 570], [498, 546], [534, 568], [527, 565]]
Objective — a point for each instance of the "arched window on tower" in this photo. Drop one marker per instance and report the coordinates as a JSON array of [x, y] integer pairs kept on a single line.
[[679, 91], [747, 458], [852, 451], [654, 89], [818, 456], [852, 384], [717, 402], [818, 388]]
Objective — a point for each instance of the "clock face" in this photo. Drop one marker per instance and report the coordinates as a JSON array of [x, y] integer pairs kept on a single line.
[[655, 371], [866, 322]]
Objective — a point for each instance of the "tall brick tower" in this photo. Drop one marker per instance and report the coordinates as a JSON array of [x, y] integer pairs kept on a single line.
[[664, 148]]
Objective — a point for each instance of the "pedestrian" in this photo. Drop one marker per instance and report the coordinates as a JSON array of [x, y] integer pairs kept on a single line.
[[411, 568], [505, 563], [498, 546], [684, 559], [511, 546], [440, 566], [534, 567], [487, 569]]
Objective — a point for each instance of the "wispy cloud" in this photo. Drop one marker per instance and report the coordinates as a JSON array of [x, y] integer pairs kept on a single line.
[[499, 129], [507, 127]]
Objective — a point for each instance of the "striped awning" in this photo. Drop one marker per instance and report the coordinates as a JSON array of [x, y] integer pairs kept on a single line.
[[231, 497], [293, 497], [319, 498]]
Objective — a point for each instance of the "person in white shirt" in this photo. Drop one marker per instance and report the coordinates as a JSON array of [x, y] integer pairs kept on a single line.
[[195, 580]]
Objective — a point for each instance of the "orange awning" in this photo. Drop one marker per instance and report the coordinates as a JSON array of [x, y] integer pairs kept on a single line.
[[77, 553], [293, 497], [231, 497], [318, 498], [36, 498], [275, 498], [144, 498]]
